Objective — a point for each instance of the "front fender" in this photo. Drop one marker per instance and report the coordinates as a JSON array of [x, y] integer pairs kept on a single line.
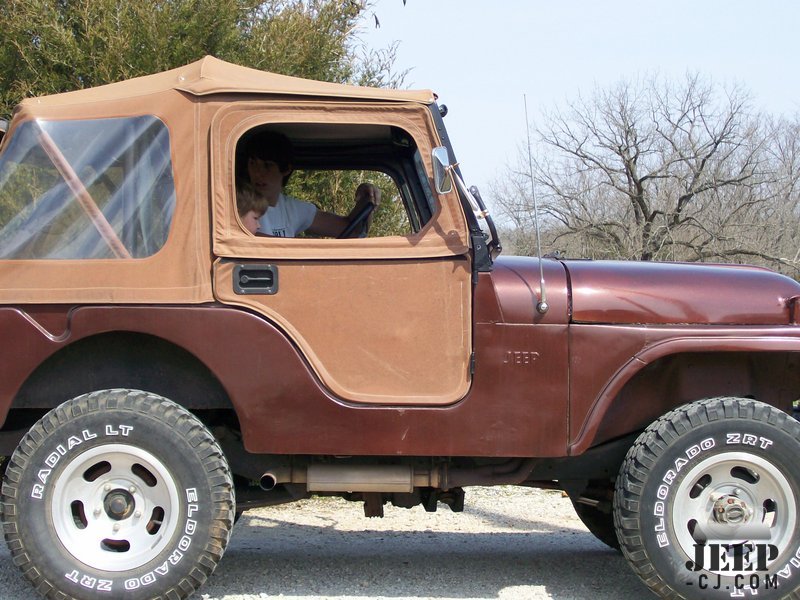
[[736, 347]]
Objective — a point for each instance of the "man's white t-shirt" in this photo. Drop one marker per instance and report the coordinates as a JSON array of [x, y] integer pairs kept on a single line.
[[288, 217]]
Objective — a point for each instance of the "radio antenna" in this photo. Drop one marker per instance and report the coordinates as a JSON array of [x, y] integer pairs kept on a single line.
[[542, 306]]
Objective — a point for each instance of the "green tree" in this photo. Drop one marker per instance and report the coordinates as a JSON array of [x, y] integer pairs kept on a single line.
[[52, 46]]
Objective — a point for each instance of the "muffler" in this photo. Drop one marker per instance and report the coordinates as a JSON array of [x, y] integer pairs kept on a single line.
[[354, 478], [360, 478]]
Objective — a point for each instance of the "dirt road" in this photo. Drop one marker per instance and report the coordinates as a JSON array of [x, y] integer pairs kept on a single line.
[[508, 543]]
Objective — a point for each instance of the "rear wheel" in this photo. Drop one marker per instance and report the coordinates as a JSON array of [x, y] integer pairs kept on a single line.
[[118, 492], [707, 502]]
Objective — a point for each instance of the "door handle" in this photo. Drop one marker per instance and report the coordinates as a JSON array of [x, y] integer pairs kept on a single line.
[[255, 279]]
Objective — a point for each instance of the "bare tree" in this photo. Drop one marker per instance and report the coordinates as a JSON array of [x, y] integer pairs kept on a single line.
[[658, 170]]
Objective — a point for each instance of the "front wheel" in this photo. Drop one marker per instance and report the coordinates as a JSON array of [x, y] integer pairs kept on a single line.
[[117, 492], [706, 504]]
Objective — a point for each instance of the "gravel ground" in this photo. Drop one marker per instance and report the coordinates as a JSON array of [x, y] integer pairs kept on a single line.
[[508, 543]]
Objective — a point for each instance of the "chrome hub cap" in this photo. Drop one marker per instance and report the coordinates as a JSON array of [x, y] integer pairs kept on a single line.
[[731, 499], [115, 507]]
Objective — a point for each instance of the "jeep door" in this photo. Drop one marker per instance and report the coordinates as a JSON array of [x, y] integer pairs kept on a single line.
[[380, 320]]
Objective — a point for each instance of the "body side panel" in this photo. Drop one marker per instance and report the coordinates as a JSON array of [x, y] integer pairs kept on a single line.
[[284, 409], [517, 405]]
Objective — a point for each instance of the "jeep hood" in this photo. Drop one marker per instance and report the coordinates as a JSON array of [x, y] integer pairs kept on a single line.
[[671, 293]]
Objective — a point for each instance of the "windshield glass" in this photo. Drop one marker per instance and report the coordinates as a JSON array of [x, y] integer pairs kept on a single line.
[[88, 189]]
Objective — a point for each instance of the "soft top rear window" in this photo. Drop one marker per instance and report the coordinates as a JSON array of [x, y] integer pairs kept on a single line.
[[86, 189]]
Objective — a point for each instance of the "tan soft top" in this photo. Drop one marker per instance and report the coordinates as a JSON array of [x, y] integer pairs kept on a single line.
[[210, 75], [206, 106]]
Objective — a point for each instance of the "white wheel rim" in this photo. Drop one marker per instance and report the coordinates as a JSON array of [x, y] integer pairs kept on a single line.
[[115, 507], [763, 508]]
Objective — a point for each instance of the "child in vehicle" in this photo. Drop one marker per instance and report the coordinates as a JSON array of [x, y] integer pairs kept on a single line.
[[251, 207]]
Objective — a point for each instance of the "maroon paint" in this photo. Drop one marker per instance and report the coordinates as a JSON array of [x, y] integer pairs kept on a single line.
[[533, 394], [284, 409], [672, 293]]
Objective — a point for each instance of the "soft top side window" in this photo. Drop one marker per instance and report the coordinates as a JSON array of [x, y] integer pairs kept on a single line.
[[86, 189], [327, 163]]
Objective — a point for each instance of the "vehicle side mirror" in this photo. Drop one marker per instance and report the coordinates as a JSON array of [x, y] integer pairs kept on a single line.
[[3, 128], [441, 177]]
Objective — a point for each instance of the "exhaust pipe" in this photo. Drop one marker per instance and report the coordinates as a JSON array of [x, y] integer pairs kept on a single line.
[[268, 481], [395, 478], [273, 477], [353, 478]]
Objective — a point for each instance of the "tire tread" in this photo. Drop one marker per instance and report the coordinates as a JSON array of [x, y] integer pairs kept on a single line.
[[136, 401], [650, 445]]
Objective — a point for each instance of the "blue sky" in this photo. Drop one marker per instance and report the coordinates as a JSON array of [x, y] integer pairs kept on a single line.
[[481, 57]]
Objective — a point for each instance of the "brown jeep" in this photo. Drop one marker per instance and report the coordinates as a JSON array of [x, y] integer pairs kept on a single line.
[[164, 369]]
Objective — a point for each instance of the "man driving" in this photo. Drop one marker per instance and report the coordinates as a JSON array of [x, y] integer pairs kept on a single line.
[[269, 162]]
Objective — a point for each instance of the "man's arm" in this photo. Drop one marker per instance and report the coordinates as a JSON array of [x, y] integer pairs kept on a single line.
[[327, 224]]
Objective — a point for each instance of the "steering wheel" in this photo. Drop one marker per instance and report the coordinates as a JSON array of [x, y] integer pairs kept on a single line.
[[357, 221]]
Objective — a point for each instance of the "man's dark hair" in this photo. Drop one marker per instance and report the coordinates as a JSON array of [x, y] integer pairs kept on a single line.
[[265, 145]]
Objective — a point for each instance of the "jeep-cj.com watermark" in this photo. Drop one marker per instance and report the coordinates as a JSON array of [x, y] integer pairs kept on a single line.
[[728, 563]]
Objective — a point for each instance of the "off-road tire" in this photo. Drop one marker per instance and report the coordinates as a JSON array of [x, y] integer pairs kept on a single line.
[[697, 461], [117, 493]]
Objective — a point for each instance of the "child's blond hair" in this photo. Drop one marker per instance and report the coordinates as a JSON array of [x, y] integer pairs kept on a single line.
[[247, 199]]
